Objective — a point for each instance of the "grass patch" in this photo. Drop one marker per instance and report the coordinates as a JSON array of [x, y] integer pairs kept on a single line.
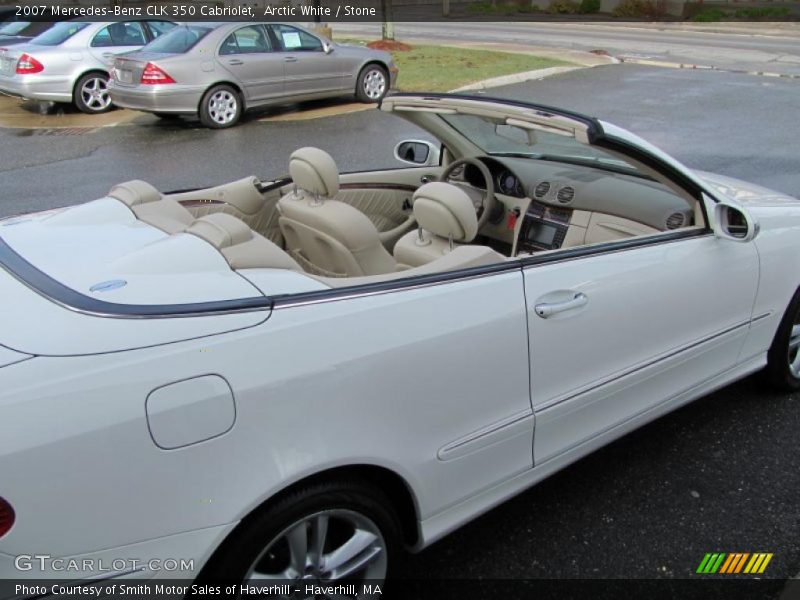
[[440, 68]]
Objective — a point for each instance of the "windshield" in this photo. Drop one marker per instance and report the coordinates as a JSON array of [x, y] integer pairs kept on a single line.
[[179, 40], [58, 33], [495, 138]]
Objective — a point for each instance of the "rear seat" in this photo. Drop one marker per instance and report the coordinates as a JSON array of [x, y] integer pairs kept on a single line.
[[242, 247], [150, 206]]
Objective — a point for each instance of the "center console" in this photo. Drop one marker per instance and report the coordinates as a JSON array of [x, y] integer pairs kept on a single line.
[[543, 228]]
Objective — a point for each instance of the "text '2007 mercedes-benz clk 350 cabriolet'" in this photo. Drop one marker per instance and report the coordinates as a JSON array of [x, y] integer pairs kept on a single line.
[[292, 379]]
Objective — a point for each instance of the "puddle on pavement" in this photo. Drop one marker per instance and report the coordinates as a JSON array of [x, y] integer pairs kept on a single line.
[[27, 118]]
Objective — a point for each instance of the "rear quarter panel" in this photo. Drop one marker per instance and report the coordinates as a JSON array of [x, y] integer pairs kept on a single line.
[[387, 380]]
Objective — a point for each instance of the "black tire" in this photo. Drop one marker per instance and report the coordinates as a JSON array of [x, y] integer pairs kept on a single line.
[[90, 94], [778, 372], [369, 79], [215, 118], [232, 562]]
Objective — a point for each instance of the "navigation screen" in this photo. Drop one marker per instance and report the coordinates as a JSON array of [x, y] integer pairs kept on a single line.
[[542, 234]]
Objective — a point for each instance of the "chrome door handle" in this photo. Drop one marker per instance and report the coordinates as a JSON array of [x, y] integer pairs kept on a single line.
[[547, 309], [235, 61], [108, 55], [291, 59]]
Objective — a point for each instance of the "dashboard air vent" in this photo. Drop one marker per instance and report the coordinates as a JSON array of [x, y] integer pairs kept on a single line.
[[565, 195], [541, 190], [675, 220]]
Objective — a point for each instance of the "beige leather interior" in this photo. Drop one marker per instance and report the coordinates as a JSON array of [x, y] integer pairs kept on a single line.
[[314, 171], [327, 236], [240, 245], [462, 257], [445, 215], [241, 199], [384, 207], [151, 207]]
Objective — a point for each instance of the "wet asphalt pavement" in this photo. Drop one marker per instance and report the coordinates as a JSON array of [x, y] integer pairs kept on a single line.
[[722, 474]]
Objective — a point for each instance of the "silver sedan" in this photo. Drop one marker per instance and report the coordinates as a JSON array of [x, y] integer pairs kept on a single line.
[[70, 61], [219, 70]]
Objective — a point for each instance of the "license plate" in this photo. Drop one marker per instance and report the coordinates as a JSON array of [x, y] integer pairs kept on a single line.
[[125, 76], [6, 66]]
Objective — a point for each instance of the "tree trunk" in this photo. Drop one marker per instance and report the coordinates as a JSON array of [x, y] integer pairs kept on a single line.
[[387, 29]]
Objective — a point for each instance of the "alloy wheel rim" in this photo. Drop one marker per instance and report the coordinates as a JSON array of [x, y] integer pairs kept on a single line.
[[222, 107], [95, 94], [334, 546], [794, 347], [374, 84]]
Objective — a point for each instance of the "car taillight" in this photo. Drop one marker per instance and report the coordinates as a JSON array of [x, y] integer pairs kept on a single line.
[[6, 517], [27, 65], [154, 74]]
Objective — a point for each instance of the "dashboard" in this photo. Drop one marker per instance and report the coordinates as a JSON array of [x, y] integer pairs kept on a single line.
[[546, 205]]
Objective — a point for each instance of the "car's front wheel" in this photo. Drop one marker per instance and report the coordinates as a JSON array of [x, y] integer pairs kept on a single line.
[[91, 95], [220, 107], [783, 359], [326, 533], [373, 84]]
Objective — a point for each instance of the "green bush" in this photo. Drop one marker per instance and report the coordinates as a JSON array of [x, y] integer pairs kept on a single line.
[[487, 7], [637, 9], [709, 15], [763, 12], [563, 7], [630, 8], [589, 6]]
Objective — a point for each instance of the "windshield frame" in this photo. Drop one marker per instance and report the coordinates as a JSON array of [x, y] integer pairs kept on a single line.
[[590, 156]]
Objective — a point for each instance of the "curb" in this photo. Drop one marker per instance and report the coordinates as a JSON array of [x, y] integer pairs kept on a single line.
[[672, 65], [515, 78]]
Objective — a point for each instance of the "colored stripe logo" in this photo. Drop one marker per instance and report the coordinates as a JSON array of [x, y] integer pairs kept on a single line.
[[734, 562]]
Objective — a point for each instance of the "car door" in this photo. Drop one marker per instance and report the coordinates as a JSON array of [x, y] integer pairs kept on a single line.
[[617, 328], [308, 68], [117, 38], [247, 54]]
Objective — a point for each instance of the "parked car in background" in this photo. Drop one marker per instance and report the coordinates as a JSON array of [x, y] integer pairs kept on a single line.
[[70, 61], [219, 70], [15, 32]]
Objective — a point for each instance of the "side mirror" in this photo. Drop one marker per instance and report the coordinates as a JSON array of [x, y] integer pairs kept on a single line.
[[327, 47], [734, 223], [419, 153]]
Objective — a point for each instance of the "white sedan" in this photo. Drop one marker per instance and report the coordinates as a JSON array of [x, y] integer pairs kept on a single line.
[[291, 380]]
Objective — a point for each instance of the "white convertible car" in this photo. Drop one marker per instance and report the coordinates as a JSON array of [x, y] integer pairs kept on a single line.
[[292, 380]]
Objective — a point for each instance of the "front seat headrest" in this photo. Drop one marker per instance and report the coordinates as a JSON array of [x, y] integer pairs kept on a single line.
[[135, 192], [445, 210], [314, 171]]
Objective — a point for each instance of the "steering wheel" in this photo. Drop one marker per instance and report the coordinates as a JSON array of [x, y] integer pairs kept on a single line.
[[483, 200]]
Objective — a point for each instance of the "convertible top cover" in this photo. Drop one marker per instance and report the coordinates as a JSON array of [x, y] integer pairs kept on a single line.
[[101, 250]]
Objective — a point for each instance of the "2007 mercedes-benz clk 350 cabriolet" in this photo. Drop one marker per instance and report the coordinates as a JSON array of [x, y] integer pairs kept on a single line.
[[292, 379]]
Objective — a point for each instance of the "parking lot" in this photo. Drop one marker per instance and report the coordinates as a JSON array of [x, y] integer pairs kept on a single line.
[[721, 474]]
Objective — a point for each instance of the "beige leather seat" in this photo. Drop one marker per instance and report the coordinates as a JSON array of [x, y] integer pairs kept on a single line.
[[151, 207], [242, 247], [326, 236], [445, 216]]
